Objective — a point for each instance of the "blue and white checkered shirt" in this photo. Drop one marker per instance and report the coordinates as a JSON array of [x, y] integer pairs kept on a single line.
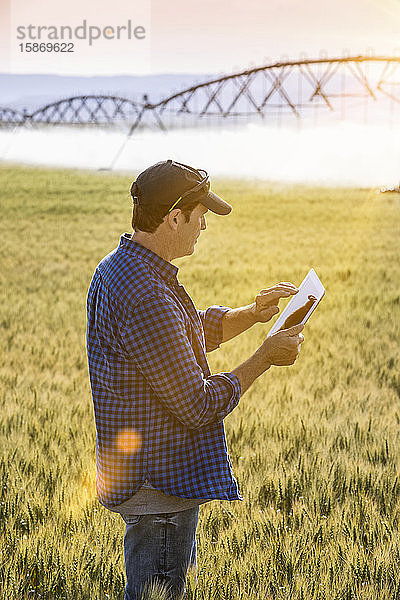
[[159, 412]]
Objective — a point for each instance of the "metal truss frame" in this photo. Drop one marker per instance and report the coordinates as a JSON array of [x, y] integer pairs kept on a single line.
[[285, 87]]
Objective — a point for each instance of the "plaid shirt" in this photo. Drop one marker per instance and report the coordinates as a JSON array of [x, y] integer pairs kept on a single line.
[[159, 412]]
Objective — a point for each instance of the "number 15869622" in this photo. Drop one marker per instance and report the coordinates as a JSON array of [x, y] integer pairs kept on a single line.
[[46, 47]]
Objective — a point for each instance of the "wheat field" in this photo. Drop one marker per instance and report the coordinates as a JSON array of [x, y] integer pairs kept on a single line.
[[315, 447]]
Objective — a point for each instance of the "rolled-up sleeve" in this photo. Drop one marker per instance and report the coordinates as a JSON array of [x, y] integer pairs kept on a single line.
[[155, 338], [211, 319]]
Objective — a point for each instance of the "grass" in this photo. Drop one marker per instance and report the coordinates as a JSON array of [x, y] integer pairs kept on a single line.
[[315, 447]]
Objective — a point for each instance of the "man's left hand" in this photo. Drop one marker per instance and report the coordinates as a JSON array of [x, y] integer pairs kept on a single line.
[[266, 303]]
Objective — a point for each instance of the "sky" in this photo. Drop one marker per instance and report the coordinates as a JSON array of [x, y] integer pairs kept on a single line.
[[211, 36]]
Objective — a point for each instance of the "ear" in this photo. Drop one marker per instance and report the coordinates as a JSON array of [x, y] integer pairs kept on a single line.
[[173, 219]]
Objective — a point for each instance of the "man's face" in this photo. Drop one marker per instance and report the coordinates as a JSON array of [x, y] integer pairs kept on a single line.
[[190, 231]]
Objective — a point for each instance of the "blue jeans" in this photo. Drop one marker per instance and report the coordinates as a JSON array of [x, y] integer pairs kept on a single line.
[[159, 548]]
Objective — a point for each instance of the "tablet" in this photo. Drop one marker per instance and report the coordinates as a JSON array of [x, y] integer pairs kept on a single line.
[[301, 306]]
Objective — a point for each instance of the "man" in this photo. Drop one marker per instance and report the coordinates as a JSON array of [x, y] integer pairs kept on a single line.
[[160, 446]]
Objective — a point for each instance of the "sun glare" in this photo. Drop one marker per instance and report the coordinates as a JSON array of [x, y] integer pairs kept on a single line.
[[128, 441]]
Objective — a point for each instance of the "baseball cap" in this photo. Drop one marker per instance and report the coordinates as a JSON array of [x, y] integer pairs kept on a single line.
[[169, 183]]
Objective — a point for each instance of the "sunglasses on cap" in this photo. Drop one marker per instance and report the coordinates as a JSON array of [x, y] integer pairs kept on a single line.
[[205, 181]]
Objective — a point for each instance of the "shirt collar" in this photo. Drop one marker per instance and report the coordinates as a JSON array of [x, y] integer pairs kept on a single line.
[[167, 270]]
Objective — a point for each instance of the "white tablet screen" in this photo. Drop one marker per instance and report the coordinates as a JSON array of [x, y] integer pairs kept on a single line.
[[302, 305]]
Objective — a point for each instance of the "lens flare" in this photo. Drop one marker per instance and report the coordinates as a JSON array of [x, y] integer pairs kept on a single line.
[[128, 441]]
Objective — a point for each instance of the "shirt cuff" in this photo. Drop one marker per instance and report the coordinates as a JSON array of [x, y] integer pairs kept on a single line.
[[213, 325], [236, 388]]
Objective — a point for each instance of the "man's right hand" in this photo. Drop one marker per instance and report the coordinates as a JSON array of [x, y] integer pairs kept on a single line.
[[283, 347]]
